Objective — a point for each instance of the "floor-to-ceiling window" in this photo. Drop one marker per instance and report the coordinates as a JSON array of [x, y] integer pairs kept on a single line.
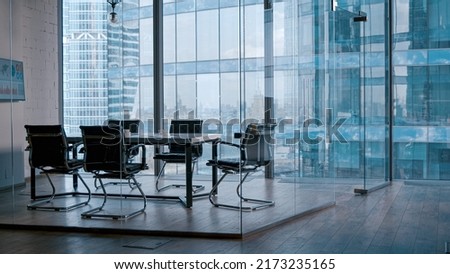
[[421, 53], [205, 65], [230, 62]]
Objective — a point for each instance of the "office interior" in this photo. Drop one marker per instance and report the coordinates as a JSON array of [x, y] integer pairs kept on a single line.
[[357, 90]]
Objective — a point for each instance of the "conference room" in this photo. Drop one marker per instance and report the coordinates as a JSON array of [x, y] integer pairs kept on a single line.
[[206, 118]]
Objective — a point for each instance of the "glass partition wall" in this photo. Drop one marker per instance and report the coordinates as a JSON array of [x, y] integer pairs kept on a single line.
[[8, 147], [358, 95], [228, 63], [420, 53]]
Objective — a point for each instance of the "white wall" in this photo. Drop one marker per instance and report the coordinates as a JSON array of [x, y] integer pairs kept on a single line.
[[29, 33]]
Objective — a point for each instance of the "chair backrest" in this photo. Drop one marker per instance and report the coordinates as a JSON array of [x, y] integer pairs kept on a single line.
[[190, 126], [130, 124], [104, 149], [257, 144], [47, 145]]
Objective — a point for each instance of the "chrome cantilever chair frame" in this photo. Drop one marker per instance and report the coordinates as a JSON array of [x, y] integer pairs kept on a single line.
[[255, 152], [176, 153], [107, 158], [195, 188], [49, 152]]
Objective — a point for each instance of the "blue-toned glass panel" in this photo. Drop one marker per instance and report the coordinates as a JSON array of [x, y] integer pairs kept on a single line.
[[186, 68], [208, 67], [186, 93], [146, 71], [169, 39], [186, 39], [145, 3], [254, 31], [207, 4], [228, 29], [131, 71], [208, 88], [185, 6], [208, 35], [410, 58], [229, 96], [229, 65], [170, 69], [439, 57], [130, 14], [146, 41], [170, 96], [146, 12], [228, 3]]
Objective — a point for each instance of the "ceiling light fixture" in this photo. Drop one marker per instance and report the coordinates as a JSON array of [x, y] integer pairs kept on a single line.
[[113, 14]]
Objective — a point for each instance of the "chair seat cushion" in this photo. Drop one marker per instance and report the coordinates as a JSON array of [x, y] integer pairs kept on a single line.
[[72, 165], [234, 164], [75, 163], [172, 157], [231, 162], [131, 169]]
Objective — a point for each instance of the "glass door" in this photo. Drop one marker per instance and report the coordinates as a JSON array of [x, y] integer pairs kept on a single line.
[[354, 133], [345, 111], [285, 84]]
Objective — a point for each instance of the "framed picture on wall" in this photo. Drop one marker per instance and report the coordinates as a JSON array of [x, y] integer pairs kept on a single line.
[[12, 86]]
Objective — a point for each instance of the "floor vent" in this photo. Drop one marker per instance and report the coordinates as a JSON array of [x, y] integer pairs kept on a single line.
[[146, 243]]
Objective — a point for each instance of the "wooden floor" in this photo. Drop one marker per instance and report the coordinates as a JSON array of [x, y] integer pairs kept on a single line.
[[401, 218], [168, 216]]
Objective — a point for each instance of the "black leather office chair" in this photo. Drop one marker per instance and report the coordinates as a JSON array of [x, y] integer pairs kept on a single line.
[[50, 153], [176, 153], [107, 158], [254, 152], [132, 125]]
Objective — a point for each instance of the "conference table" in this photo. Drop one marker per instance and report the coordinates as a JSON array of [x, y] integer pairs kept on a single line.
[[187, 140]]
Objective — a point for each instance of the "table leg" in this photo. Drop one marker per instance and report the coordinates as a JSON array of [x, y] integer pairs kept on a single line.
[[33, 183], [74, 176], [214, 167], [189, 172], [157, 163]]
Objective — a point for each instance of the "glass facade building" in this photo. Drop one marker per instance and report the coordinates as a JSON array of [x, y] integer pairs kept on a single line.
[[85, 56]]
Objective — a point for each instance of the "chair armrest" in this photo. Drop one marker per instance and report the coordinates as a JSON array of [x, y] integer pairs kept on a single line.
[[74, 148], [238, 146], [76, 145], [143, 154], [134, 147]]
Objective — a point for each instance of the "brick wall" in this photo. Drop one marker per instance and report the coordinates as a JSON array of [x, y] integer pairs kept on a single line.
[[29, 33], [40, 57]]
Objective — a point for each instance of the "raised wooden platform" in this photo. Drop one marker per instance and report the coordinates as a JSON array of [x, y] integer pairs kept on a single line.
[[169, 217]]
